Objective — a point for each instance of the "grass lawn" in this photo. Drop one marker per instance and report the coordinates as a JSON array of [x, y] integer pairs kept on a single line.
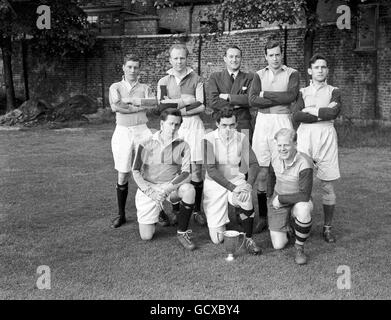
[[58, 196]]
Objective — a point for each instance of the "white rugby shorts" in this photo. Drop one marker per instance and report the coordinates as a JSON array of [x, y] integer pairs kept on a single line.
[[147, 209], [124, 143], [319, 141], [266, 126], [216, 199], [192, 130]]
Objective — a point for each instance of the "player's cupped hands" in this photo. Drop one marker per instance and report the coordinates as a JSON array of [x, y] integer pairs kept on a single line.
[[156, 194], [244, 196], [243, 192]]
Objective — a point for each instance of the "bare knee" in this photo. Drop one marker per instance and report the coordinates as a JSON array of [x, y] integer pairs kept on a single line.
[[146, 237], [302, 211], [279, 239], [146, 231], [123, 177], [216, 234], [187, 193]]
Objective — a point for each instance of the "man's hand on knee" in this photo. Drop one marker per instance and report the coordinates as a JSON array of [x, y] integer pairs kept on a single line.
[[276, 203]]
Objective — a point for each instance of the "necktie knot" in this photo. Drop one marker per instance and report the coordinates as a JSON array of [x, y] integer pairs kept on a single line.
[[232, 78]]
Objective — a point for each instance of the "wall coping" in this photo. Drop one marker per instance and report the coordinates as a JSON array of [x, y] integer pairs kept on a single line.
[[226, 33]]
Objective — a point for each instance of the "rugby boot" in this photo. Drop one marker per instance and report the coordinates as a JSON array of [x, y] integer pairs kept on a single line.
[[164, 220], [185, 241], [118, 221], [261, 225], [199, 217], [252, 247], [300, 257], [328, 235]]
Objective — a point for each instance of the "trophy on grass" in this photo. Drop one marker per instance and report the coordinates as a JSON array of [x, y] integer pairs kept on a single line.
[[231, 243]]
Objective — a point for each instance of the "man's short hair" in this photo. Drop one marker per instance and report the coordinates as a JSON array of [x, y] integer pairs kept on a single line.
[[233, 47], [170, 112], [225, 112], [272, 43], [179, 46], [316, 56], [286, 132], [132, 57]]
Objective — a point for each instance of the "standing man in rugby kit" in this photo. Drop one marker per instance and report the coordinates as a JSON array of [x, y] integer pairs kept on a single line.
[[129, 99], [272, 91], [317, 107], [184, 89], [229, 88]]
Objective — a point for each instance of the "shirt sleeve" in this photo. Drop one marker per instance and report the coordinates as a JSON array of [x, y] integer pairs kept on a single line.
[[200, 93], [332, 113], [305, 189], [300, 116], [137, 166], [114, 95], [285, 97], [249, 161], [185, 169], [254, 99], [212, 166]]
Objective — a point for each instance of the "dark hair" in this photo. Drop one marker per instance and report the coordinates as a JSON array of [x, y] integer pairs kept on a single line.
[[316, 56], [233, 47], [132, 57], [225, 112], [179, 46], [272, 43], [170, 112]]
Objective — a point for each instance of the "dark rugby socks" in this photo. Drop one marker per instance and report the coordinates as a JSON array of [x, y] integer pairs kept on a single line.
[[328, 211], [247, 218], [185, 211], [175, 207], [198, 186], [262, 204], [302, 231], [122, 194]]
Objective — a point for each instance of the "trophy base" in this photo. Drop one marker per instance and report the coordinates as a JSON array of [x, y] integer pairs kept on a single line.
[[230, 257]]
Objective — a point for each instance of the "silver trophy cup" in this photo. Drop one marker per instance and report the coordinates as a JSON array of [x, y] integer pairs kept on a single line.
[[231, 242]]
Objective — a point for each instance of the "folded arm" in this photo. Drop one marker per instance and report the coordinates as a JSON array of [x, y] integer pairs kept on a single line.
[[305, 189], [285, 97], [254, 99]]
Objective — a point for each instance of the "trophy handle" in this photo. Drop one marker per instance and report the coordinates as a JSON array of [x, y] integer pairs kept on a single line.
[[244, 238]]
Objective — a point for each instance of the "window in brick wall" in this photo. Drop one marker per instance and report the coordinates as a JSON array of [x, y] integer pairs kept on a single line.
[[105, 23], [367, 27]]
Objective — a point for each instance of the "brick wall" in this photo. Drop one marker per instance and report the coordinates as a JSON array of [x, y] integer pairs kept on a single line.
[[354, 72]]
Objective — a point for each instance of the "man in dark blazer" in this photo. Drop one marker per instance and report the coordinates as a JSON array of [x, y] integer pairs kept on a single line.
[[229, 88]]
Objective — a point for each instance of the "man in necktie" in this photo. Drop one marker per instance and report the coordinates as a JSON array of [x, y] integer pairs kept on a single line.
[[228, 88]]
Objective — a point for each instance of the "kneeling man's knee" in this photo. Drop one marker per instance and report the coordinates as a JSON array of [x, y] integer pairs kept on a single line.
[[216, 234], [187, 191], [279, 239], [302, 211]]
